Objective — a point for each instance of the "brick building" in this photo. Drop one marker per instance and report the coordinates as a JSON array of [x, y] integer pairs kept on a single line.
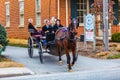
[[14, 14]]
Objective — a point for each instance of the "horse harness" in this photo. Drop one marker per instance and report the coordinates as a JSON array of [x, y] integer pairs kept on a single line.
[[65, 36]]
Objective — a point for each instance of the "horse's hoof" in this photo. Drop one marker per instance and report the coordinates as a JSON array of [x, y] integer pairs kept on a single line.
[[72, 64], [70, 70], [60, 62]]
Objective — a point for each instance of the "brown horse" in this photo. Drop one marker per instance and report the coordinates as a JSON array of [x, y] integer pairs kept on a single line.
[[66, 39]]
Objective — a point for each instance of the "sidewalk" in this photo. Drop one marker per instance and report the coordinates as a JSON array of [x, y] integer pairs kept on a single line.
[[9, 72]]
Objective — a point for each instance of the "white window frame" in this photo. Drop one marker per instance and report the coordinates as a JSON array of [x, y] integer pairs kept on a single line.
[[87, 11], [21, 13], [38, 12], [7, 14]]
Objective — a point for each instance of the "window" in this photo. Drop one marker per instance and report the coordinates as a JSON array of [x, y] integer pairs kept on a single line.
[[38, 5], [38, 14], [82, 8], [21, 13], [7, 14]]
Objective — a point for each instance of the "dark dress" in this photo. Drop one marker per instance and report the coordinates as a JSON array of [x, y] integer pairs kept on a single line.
[[54, 28], [30, 26], [53, 31], [45, 28], [58, 26], [48, 35]]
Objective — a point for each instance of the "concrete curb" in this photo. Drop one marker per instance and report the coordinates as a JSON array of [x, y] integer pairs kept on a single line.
[[14, 71], [100, 74]]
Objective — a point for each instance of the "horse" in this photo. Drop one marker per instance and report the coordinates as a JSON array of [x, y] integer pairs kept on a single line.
[[66, 39]]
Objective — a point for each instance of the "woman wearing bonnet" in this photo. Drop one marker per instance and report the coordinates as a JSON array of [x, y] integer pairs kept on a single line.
[[31, 26]]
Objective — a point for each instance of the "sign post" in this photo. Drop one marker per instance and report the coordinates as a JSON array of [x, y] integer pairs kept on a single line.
[[105, 19], [89, 30]]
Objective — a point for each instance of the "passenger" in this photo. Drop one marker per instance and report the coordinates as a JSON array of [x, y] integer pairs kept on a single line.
[[54, 28], [52, 23], [30, 26], [58, 24], [46, 29]]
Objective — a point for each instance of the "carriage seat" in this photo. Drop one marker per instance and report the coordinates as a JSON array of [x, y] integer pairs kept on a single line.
[[51, 42], [35, 34]]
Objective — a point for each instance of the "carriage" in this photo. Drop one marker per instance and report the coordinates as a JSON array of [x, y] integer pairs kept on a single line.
[[38, 41], [57, 47]]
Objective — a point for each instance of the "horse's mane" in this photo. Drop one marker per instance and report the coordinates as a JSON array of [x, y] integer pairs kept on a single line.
[[58, 30]]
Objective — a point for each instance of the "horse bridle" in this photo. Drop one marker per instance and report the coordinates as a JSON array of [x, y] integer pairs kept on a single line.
[[70, 30]]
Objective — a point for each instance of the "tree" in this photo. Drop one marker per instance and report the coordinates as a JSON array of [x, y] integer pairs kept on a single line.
[[3, 36], [97, 10], [105, 11]]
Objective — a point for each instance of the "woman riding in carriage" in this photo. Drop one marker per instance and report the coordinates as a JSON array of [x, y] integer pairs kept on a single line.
[[58, 24], [49, 29], [34, 32], [30, 26]]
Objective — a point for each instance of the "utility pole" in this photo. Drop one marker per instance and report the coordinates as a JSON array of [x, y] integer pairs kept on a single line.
[[105, 19]]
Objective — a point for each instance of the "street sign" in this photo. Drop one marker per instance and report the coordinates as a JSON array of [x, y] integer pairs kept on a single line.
[[89, 36], [89, 19], [89, 30], [89, 22]]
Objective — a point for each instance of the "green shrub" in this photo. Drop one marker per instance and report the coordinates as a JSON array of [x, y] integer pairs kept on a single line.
[[116, 56], [116, 37], [3, 36]]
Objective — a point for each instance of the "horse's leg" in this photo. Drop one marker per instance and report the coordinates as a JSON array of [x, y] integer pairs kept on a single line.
[[66, 48], [74, 54], [68, 60], [59, 51]]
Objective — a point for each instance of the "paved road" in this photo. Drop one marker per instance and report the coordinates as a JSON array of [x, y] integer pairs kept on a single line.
[[109, 74], [87, 68]]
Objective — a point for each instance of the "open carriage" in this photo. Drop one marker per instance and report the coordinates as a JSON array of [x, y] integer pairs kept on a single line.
[[38, 41], [65, 41]]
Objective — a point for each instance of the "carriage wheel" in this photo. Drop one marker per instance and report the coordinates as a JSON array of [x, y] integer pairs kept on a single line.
[[40, 52], [30, 48]]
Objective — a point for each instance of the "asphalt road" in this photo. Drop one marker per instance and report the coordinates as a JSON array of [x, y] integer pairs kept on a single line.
[[107, 74], [84, 69]]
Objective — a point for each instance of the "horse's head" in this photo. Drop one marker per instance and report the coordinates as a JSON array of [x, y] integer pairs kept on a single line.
[[73, 27]]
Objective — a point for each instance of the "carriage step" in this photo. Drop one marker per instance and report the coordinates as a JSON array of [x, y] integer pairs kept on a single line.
[[34, 44], [46, 51]]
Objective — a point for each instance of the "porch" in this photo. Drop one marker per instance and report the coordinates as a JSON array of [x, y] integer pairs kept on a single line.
[[74, 8]]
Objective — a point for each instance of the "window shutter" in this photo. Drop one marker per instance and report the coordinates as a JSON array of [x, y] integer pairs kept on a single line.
[[115, 9], [73, 9]]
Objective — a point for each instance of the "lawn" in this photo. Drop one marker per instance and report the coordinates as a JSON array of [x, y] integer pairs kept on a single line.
[[7, 62]]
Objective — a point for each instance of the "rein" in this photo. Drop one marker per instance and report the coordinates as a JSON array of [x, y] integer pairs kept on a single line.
[[68, 36], [61, 37]]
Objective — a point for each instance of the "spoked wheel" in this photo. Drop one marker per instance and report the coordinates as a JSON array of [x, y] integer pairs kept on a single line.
[[30, 48], [40, 52]]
